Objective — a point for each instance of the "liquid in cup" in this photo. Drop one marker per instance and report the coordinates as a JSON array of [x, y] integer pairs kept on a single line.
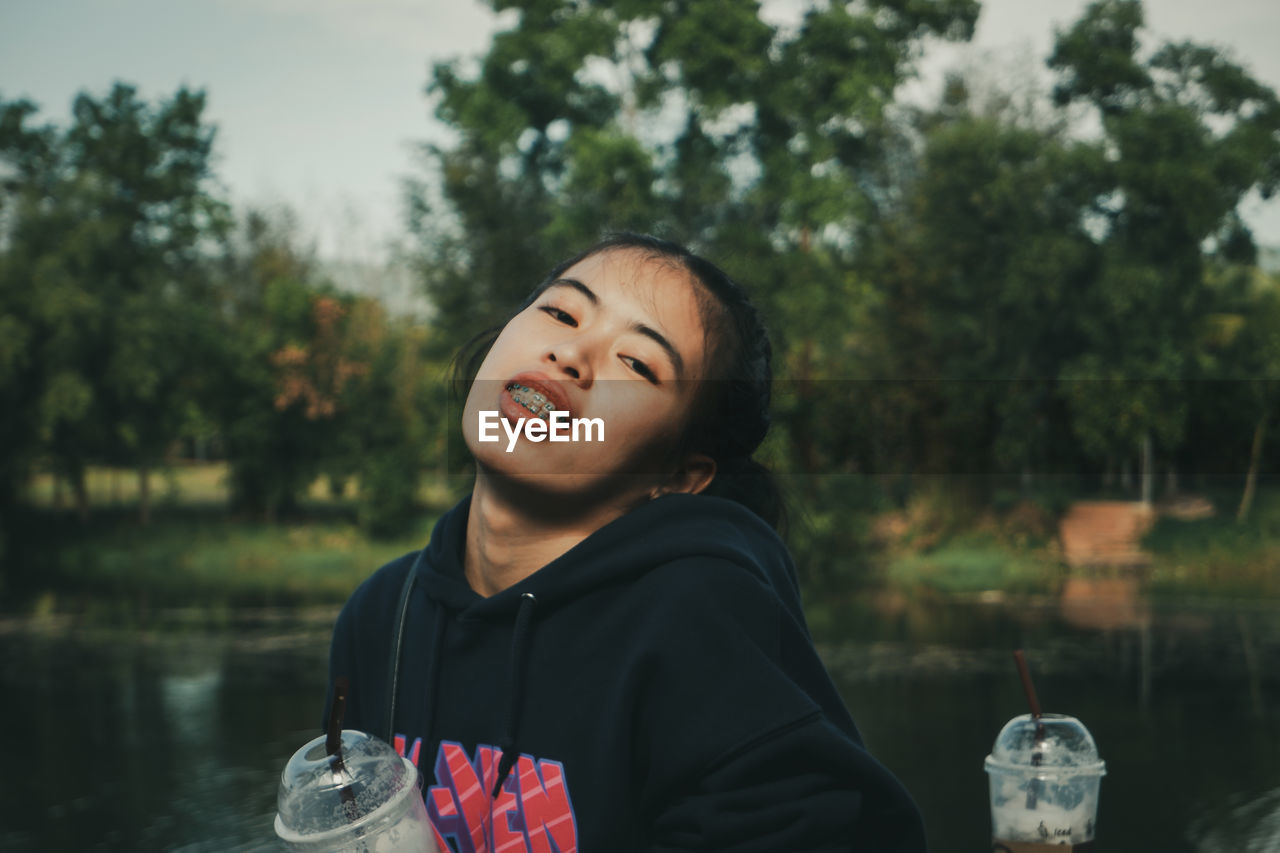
[[1044, 773], [370, 801]]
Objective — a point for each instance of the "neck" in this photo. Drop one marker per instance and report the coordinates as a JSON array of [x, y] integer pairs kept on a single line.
[[509, 539]]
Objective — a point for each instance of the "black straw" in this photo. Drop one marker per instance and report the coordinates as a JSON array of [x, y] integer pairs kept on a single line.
[[333, 735], [1033, 785], [1027, 686], [333, 743]]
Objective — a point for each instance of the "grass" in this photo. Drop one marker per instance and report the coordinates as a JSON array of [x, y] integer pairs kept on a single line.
[[975, 564], [194, 553], [1218, 556], [183, 561], [949, 543], [118, 487], [214, 563], [935, 546], [186, 485]]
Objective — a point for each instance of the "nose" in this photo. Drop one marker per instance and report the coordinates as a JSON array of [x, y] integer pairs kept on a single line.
[[572, 358]]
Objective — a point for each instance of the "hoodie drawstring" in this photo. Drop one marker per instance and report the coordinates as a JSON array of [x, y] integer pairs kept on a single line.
[[397, 645], [515, 687], [397, 654], [433, 675]]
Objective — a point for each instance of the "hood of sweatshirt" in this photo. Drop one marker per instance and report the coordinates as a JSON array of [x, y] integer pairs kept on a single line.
[[666, 529], [691, 526]]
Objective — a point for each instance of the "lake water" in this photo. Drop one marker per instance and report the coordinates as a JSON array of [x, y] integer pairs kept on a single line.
[[173, 738]]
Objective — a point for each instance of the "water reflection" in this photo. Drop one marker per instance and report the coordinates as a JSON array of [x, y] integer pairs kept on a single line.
[[1250, 826], [175, 741], [1103, 604], [143, 742], [1182, 702]]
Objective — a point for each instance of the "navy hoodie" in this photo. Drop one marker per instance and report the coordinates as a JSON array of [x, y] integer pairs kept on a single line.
[[655, 688]]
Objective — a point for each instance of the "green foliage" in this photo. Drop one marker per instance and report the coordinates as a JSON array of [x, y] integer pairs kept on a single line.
[[274, 436], [982, 269], [829, 530], [394, 424], [962, 291], [133, 317], [313, 382], [209, 562], [1189, 133], [1218, 556], [1059, 290], [1097, 55], [975, 566], [567, 130], [971, 290], [108, 226]]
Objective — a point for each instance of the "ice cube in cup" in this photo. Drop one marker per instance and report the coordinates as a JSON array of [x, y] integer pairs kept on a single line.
[[370, 801], [1044, 774]]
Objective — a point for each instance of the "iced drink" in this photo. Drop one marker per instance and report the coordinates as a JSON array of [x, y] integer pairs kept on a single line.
[[368, 800], [1044, 774]]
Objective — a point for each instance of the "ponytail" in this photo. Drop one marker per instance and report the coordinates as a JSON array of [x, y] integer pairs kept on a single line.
[[746, 481]]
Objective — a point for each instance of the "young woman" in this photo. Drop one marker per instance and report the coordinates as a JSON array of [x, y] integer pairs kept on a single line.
[[602, 648]]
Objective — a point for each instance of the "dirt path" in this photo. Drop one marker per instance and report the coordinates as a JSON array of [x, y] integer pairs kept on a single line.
[[1106, 533]]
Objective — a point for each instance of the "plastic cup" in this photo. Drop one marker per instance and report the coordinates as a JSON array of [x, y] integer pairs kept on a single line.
[[1044, 776], [369, 801]]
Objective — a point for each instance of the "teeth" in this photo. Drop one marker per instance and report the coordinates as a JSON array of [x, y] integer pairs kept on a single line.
[[534, 401]]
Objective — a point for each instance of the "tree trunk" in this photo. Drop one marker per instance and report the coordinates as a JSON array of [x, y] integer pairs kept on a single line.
[[1255, 462], [144, 493], [81, 491], [801, 434], [1148, 470], [1126, 475], [1171, 480]]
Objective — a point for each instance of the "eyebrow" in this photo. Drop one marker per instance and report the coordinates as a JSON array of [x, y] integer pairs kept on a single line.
[[640, 328], [576, 285]]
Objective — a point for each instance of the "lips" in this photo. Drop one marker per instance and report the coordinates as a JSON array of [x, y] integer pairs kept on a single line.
[[533, 395]]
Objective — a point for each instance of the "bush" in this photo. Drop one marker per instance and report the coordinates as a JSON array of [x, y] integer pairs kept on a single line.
[[388, 492]]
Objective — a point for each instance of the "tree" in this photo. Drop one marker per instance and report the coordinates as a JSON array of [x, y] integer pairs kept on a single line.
[[980, 263], [756, 141], [276, 370], [309, 382], [110, 224], [395, 424], [1241, 360], [27, 157], [1188, 134]]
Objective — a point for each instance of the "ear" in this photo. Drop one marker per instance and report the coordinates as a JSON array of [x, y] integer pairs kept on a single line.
[[694, 474]]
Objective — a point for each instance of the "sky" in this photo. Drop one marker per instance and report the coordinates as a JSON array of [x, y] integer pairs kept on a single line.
[[320, 104]]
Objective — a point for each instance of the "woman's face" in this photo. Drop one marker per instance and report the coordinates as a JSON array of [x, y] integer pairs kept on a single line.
[[618, 338]]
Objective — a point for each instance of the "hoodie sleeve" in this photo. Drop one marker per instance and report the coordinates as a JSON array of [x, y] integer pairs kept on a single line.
[[750, 747], [804, 789]]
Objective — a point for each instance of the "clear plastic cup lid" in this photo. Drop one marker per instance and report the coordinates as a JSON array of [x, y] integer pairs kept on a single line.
[[318, 794], [1055, 741]]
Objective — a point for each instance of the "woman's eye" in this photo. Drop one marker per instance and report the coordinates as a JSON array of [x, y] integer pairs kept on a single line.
[[560, 316], [641, 368]]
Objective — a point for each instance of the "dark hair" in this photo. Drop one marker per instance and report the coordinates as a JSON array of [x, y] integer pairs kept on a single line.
[[730, 416]]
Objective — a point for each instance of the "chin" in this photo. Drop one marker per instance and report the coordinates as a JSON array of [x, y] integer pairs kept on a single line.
[[554, 485]]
